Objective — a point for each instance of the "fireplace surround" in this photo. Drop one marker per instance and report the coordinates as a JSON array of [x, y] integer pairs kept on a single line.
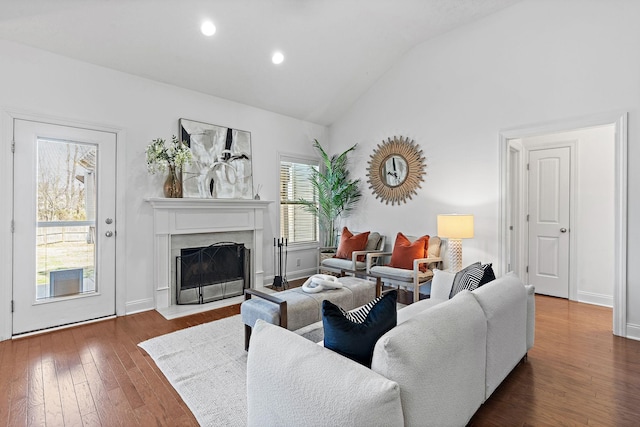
[[187, 218]]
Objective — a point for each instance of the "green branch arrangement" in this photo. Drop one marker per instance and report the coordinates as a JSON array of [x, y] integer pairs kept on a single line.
[[161, 155]]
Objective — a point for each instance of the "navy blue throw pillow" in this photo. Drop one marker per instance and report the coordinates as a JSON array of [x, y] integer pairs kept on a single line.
[[354, 335], [488, 275]]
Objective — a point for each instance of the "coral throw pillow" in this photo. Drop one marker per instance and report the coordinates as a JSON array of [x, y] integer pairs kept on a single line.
[[350, 243], [404, 252]]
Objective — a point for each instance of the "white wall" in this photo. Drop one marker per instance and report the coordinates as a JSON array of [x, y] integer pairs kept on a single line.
[[594, 227], [538, 61], [40, 83]]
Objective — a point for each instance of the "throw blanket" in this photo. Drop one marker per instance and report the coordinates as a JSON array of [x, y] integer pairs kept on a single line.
[[320, 282]]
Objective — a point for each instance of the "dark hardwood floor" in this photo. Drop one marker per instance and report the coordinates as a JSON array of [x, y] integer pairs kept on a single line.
[[94, 375], [578, 373]]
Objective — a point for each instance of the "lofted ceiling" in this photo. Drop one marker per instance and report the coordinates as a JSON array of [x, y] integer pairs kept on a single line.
[[334, 49]]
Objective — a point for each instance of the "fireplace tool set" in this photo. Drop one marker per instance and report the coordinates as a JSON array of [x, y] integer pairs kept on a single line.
[[280, 255]]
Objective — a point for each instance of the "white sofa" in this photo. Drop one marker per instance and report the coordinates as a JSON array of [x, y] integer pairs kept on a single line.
[[436, 368]]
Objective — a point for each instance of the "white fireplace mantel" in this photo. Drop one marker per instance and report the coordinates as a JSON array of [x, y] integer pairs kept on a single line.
[[194, 216]]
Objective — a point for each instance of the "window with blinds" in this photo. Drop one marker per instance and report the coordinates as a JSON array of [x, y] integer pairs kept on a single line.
[[296, 223]]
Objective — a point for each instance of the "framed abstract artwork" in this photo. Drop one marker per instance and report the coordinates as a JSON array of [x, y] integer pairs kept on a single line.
[[221, 166]]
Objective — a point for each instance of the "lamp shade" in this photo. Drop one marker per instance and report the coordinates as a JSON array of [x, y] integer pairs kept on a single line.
[[454, 226]]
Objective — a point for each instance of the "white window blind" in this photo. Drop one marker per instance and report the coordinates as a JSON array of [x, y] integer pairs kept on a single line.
[[296, 223]]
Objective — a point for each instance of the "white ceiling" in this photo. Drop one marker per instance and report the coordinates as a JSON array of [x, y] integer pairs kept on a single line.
[[334, 49]]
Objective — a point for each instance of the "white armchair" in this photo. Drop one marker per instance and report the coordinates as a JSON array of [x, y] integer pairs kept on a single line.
[[400, 277], [375, 243]]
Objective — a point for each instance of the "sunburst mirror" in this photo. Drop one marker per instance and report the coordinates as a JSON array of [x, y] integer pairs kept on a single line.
[[396, 169]]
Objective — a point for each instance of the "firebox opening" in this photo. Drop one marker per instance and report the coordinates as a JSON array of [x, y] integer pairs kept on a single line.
[[211, 273]]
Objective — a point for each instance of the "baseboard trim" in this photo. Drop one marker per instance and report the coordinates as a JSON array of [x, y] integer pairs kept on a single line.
[[633, 331], [139, 306], [596, 299], [292, 275]]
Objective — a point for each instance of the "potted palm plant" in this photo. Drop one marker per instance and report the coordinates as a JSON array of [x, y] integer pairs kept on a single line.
[[336, 193]]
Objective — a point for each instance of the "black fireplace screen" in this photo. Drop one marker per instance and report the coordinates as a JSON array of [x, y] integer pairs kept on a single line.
[[211, 273]]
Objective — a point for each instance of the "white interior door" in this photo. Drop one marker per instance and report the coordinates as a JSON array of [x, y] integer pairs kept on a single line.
[[549, 191], [64, 225], [514, 209]]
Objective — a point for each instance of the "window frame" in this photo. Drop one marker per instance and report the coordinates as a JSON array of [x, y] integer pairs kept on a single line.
[[300, 159]]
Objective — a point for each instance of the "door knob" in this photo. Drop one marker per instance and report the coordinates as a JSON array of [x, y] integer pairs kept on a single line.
[[109, 233], [563, 230]]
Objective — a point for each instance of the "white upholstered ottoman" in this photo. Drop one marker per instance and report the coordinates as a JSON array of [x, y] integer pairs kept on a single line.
[[293, 309]]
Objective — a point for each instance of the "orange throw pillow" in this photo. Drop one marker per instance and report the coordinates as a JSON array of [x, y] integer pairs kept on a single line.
[[404, 252], [350, 243]]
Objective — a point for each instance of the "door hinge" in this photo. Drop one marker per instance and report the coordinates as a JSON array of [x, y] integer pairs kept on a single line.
[[13, 226], [527, 217], [527, 166], [13, 306], [13, 146], [527, 270]]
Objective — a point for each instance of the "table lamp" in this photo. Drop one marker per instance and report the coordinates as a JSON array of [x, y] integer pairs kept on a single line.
[[455, 227]]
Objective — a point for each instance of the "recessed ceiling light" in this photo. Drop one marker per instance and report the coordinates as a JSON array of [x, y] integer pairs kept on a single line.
[[207, 28], [277, 58]]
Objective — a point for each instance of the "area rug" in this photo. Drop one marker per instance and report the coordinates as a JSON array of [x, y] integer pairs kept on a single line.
[[207, 365]]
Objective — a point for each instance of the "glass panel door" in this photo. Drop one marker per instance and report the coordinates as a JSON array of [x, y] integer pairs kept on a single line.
[[66, 223], [64, 214]]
